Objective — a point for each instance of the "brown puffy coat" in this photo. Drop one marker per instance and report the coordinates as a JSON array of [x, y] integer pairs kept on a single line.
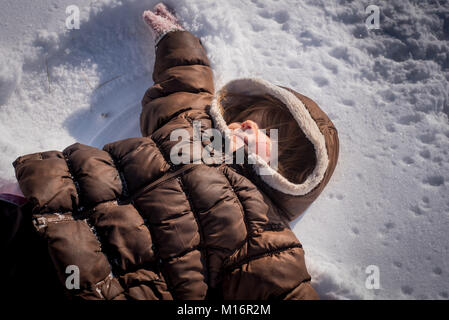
[[141, 227]]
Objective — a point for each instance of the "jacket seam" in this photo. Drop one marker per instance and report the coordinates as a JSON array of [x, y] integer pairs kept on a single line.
[[98, 237], [166, 159], [202, 247], [130, 199], [239, 203], [253, 177], [75, 183], [125, 190], [260, 255], [87, 220], [286, 292], [159, 261], [171, 117]]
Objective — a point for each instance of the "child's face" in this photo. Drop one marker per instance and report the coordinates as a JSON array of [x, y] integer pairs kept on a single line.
[[248, 133]]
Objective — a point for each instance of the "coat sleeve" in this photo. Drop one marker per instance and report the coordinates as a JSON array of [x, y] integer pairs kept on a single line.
[[182, 78]]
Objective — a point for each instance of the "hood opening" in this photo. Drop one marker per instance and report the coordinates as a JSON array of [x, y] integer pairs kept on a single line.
[[311, 168]]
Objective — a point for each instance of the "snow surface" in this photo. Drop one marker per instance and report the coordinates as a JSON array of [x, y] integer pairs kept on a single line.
[[386, 90]]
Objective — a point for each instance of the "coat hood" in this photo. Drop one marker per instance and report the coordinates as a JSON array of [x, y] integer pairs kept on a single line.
[[315, 125]]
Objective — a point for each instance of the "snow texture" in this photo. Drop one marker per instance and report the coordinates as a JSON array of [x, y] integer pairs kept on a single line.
[[386, 90]]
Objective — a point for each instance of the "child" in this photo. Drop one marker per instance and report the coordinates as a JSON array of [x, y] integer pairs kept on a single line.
[[126, 222]]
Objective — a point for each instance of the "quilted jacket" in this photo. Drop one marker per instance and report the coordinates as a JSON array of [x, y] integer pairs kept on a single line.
[[134, 224]]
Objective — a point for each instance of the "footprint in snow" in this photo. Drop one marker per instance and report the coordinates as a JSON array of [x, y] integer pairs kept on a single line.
[[435, 181], [409, 119], [407, 290], [425, 154], [408, 160], [321, 81]]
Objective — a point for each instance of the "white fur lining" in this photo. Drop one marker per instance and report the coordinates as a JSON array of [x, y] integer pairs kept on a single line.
[[253, 86]]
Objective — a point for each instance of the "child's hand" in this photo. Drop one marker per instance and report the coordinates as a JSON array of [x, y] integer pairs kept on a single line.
[[248, 133], [161, 21]]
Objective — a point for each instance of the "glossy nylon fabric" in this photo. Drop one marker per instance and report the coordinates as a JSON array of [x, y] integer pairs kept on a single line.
[[138, 226]]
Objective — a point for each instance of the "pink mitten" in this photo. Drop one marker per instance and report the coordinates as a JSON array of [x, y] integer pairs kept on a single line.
[[161, 10], [161, 21]]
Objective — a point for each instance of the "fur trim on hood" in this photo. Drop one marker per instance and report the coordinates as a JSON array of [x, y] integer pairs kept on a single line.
[[255, 86]]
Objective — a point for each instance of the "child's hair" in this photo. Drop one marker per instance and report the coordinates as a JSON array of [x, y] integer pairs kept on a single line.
[[296, 154]]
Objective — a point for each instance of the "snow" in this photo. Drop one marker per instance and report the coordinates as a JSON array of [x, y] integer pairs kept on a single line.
[[386, 90], [10, 74]]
